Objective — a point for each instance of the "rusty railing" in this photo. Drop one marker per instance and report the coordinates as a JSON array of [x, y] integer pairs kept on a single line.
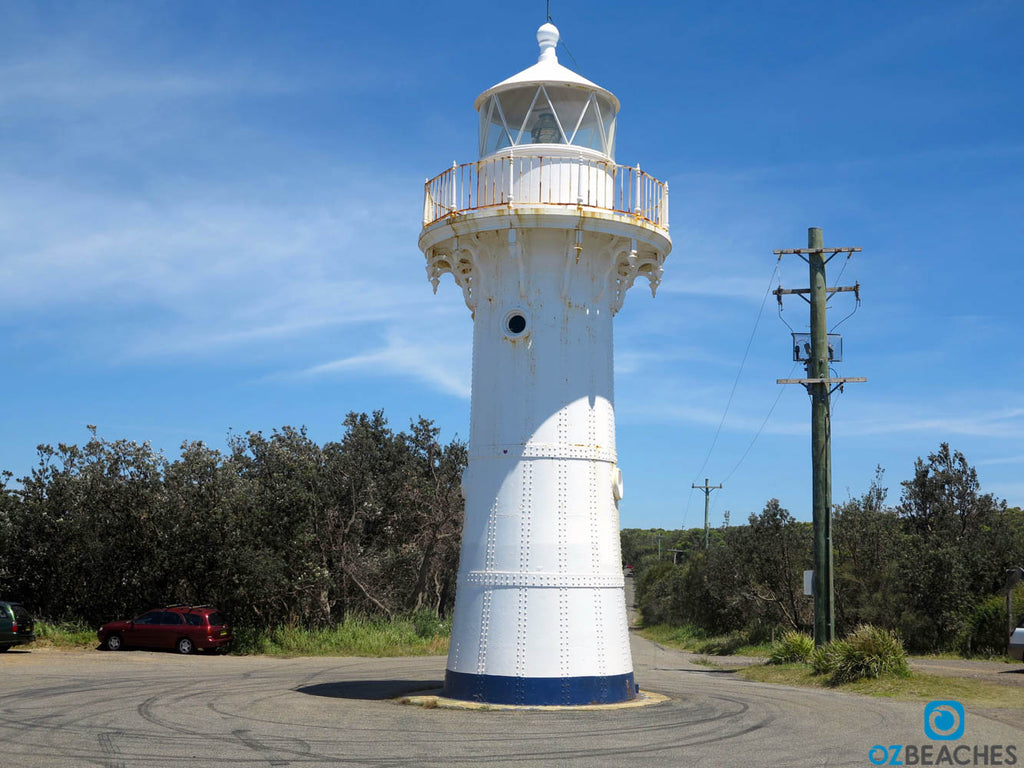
[[569, 181]]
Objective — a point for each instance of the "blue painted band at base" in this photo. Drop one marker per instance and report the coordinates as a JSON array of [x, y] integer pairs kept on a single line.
[[539, 691]]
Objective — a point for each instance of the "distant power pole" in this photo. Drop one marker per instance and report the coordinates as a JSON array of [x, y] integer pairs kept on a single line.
[[707, 497], [818, 351]]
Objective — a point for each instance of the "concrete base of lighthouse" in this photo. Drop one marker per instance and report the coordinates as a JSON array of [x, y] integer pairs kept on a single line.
[[543, 691], [437, 700]]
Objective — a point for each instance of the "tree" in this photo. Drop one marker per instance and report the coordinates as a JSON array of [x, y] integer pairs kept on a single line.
[[278, 530], [775, 549], [869, 544], [961, 543]]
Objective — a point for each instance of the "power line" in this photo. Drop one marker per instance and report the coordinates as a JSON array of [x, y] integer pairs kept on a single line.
[[760, 429], [736, 381]]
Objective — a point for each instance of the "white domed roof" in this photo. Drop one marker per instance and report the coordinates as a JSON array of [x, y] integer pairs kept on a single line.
[[546, 71]]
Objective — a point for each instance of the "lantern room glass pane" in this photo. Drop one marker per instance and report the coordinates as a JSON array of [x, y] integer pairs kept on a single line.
[[551, 114], [542, 125], [569, 104], [494, 134], [588, 131], [608, 121], [515, 106]]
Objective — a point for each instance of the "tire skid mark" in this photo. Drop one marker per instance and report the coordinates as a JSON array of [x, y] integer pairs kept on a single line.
[[264, 749], [261, 709], [106, 740]]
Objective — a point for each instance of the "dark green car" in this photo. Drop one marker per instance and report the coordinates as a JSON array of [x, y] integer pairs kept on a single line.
[[16, 626]]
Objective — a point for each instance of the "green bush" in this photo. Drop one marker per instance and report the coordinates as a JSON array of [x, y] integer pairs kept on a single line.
[[825, 659], [867, 652], [987, 630], [793, 646], [659, 594]]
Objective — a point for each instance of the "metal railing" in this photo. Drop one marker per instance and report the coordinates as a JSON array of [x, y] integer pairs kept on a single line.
[[568, 181]]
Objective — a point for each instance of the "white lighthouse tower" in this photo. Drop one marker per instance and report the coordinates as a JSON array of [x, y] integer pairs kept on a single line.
[[544, 234]]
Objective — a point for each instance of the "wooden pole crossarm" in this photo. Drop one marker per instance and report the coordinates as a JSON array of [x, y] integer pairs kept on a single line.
[[847, 380], [830, 292], [836, 383], [836, 289], [802, 251]]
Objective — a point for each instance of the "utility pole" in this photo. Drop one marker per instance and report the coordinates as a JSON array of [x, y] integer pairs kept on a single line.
[[707, 498], [818, 354]]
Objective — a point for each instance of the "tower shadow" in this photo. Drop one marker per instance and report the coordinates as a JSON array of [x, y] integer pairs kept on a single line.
[[370, 690]]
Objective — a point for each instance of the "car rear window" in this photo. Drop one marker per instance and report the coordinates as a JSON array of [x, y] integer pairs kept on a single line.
[[217, 619], [193, 619], [21, 615]]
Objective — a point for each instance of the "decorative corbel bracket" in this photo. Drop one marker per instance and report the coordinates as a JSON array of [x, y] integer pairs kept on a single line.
[[461, 264]]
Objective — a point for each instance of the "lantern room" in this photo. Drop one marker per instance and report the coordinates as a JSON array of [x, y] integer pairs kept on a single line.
[[549, 105]]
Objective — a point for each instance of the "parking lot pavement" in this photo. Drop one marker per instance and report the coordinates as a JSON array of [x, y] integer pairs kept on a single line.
[[138, 708]]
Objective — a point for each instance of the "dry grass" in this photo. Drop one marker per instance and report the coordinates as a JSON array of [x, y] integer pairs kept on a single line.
[[915, 687]]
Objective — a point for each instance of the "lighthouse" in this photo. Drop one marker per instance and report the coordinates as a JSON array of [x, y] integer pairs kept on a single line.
[[544, 234]]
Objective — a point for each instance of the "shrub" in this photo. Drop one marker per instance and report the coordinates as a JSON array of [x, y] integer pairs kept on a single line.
[[826, 658], [793, 646], [867, 652], [986, 633], [659, 594]]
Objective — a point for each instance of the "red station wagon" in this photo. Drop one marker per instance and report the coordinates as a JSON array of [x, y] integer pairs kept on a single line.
[[184, 628]]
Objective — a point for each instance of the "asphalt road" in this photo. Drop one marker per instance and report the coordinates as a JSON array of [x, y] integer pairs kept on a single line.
[[138, 708]]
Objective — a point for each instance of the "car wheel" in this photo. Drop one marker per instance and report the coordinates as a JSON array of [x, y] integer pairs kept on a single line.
[[186, 646], [114, 643]]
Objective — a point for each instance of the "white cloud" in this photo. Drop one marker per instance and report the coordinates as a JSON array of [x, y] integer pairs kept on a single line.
[[1001, 460], [212, 270], [75, 81], [719, 286], [1002, 423], [443, 364]]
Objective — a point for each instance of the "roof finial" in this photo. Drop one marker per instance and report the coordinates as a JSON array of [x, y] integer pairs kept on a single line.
[[547, 38]]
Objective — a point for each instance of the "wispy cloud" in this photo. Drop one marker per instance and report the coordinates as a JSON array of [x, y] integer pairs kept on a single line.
[[1019, 459], [630, 360], [441, 364], [75, 81], [211, 271], [736, 422], [720, 286], [1001, 423]]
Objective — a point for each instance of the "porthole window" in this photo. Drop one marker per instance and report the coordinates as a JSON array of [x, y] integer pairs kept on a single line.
[[515, 323]]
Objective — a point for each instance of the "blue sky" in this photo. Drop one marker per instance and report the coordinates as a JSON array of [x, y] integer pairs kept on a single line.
[[209, 214]]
